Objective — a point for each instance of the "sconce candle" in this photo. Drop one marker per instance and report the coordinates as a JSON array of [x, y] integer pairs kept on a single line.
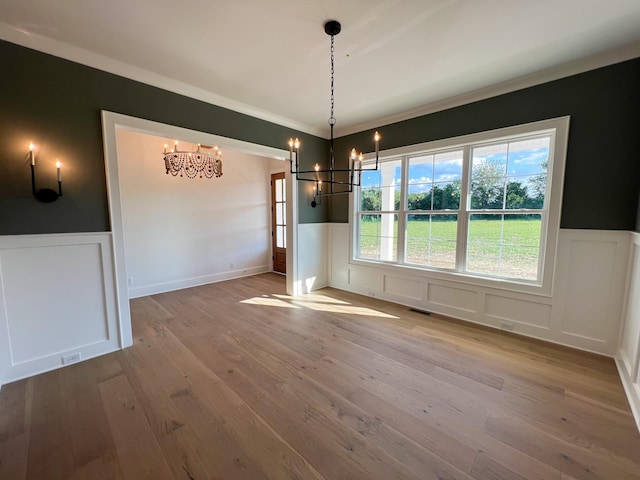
[[317, 194], [33, 158], [58, 165]]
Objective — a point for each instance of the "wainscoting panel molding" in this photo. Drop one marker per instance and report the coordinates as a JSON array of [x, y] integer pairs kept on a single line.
[[583, 311], [57, 302], [454, 297], [524, 312], [628, 356], [312, 254]]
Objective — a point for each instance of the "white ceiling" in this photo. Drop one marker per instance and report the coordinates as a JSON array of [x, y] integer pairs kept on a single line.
[[270, 58]]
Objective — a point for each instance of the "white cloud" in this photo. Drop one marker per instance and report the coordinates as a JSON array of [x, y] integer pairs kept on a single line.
[[420, 180], [448, 177]]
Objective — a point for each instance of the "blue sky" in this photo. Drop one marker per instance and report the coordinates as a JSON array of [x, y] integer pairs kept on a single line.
[[524, 160]]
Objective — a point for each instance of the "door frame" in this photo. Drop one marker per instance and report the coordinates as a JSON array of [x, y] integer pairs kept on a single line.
[[111, 123], [272, 220]]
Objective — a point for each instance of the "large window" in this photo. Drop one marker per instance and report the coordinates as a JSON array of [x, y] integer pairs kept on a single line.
[[485, 205]]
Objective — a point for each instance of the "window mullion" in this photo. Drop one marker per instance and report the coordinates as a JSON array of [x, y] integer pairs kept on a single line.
[[463, 216], [402, 211]]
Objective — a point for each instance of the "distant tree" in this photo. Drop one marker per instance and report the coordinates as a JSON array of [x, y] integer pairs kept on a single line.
[[539, 187], [517, 196], [450, 198], [419, 201], [487, 185], [438, 198], [370, 199]]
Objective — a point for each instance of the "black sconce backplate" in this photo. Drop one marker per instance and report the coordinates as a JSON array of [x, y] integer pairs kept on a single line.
[[46, 195]]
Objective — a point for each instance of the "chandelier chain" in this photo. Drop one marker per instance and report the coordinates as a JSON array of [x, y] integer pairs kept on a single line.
[[332, 119]]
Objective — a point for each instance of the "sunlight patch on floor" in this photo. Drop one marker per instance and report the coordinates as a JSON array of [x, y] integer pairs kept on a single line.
[[319, 303], [268, 302], [312, 297], [323, 307]]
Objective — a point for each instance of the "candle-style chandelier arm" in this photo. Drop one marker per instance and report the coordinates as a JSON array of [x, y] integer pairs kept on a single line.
[[294, 160]]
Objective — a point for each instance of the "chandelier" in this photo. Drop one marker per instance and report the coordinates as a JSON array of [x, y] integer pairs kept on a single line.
[[193, 163], [339, 180]]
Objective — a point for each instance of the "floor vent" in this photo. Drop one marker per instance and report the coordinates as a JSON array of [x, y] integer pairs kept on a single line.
[[424, 312]]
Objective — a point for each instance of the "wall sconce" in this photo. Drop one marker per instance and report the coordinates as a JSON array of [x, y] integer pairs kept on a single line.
[[44, 194], [317, 189], [317, 194]]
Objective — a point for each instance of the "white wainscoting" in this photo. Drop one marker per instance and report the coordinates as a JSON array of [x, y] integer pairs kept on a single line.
[[312, 257], [583, 311], [628, 357], [57, 298]]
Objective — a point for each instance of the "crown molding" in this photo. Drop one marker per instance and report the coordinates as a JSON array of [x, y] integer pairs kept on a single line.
[[86, 57], [98, 61], [592, 62]]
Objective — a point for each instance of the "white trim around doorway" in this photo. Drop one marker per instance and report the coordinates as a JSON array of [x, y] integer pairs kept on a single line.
[[111, 122]]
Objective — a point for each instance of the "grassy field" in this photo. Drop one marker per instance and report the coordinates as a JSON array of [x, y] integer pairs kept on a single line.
[[508, 248]]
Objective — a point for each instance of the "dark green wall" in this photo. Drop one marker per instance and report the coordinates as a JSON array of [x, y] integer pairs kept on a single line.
[[56, 104], [602, 178]]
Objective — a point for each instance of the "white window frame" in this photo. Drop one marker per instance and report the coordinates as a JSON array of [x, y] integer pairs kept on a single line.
[[559, 130]]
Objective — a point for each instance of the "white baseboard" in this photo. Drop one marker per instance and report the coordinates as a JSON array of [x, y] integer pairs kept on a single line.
[[154, 289]]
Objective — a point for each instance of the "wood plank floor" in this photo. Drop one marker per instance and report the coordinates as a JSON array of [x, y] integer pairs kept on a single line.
[[236, 380]]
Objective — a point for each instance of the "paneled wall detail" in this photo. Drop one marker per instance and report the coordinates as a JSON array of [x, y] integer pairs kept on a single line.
[[523, 312], [455, 297], [628, 357], [587, 293], [57, 298], [312, 255], [583, 311]]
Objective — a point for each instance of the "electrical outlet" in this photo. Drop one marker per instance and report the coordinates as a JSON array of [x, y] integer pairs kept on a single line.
[[506, 326], [130, 281], [73, 358]]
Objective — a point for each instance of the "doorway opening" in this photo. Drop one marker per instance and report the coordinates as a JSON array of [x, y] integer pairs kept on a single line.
[[279, 222], [114, 122]]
